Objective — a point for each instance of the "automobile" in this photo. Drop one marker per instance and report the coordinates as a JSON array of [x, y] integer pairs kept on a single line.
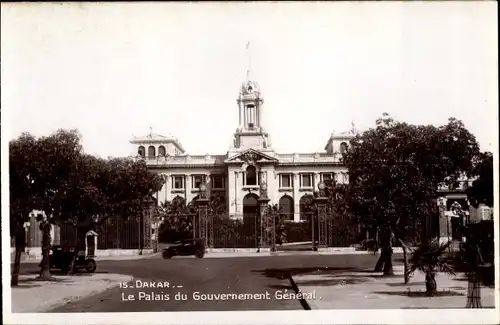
[[185, 247], [61, 257]]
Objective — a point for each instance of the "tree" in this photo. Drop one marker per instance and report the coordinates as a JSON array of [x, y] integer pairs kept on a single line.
[[52, 174], [430, 258], [178, 216], [394, 171], [177, 220], [21, 194], [99, 189], [54, 159], [481, 190]]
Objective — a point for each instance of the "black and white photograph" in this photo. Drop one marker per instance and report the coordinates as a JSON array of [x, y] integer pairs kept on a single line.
[[250, 162]]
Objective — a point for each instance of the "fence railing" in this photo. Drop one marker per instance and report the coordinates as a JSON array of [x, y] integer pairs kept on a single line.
[[242, 232], [114, 233]]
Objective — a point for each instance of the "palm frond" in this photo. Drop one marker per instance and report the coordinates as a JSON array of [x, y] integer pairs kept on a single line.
[[430, 257]]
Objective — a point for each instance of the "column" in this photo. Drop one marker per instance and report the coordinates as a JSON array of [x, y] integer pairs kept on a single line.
[[444, 224], [202, 204], [210, 217], [240, 115], [321, 218], [267, 231], [296, 197], [208, 184], [167, 178], [187, 187], [316, 180], [257, 109]]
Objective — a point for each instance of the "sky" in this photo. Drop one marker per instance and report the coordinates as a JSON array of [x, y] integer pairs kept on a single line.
[[115, 70]]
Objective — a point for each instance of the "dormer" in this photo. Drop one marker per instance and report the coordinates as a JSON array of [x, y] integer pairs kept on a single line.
[[156, 145]]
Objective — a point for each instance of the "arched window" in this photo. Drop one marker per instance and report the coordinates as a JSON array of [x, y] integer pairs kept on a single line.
[[305, 205], [161, 151], [343, 147], [151, 151], [286, 206], [251, 176], [141, 151]]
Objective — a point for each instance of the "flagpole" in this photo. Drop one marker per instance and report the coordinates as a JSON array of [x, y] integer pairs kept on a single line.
[[249, 60]]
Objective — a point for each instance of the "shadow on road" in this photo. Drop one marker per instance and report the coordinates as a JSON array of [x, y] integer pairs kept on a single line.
[[331, 282], [56, 272], [287, 272], [419, 294], [402, 284]]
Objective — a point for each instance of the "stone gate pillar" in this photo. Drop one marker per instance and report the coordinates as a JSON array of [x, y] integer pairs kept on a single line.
[[322, 217], [202, 204], [444, 224], [267, 233]]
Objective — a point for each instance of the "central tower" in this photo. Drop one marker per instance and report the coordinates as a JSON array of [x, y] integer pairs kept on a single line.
[[250, 133]]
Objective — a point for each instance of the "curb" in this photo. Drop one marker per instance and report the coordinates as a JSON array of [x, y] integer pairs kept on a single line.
[[98, 259], [303, 301]]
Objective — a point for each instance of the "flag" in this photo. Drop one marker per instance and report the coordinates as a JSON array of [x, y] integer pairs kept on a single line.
[[248, 45]]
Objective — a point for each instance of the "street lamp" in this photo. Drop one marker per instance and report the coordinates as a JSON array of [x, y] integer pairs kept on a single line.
[[321, 188], [263, 190], [203, 190]]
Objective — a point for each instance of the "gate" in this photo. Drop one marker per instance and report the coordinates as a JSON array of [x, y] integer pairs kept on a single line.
[[237, 231]]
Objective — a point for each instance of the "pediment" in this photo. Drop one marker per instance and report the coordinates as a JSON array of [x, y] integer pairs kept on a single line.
[[250, 156]]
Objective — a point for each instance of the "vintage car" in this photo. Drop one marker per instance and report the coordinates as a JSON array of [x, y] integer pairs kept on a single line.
[[185, 247], [62, 256]]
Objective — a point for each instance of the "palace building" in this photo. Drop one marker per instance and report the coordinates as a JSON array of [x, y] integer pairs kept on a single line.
[[291, 178], [250, 161]]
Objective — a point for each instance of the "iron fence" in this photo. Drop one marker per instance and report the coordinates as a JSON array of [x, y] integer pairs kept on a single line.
[[114, 233], [237, 231]]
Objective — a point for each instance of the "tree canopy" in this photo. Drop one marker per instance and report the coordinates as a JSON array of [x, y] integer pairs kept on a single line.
[[481, 190], [395, 169], [54, 175]]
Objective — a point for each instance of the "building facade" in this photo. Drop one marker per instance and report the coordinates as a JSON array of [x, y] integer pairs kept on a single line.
[[250, 161], [290, 177]]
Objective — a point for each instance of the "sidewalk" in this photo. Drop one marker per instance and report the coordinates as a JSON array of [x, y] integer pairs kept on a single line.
[[97, 258], [367, 290], [39, 296]]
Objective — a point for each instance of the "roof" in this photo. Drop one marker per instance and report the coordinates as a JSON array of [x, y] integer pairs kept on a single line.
[[153, 136], [157, 138]]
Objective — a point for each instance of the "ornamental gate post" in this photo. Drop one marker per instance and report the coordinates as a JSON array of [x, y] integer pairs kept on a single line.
[[322, 216], [267, 233], [202, 204]]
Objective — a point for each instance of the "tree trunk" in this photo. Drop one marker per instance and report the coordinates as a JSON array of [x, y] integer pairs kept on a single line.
[[45, 269], [473, 291], [20, 239], [384, 262], [388, 270], [380, 264], [405, 257], [430, 284]]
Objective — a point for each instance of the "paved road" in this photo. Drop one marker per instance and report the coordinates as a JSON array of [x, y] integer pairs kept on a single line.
[[247, 275]]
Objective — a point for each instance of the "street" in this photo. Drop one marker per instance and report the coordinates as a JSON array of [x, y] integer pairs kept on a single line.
[[196, 277]]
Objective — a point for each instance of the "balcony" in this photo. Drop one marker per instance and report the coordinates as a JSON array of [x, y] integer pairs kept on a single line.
[[196, 160], [299, 158]]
